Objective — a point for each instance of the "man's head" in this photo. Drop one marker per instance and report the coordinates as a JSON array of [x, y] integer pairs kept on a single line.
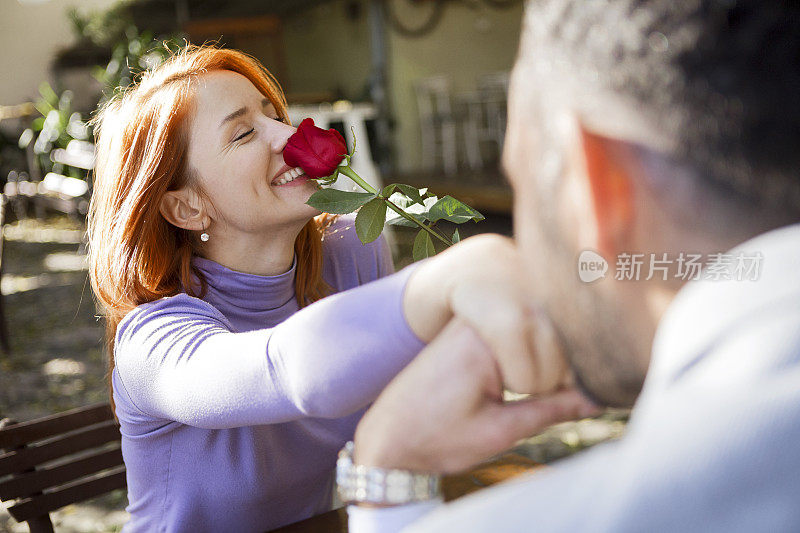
[[648, 127]]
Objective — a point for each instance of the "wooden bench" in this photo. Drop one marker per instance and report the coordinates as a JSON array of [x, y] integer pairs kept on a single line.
[[51, 462]]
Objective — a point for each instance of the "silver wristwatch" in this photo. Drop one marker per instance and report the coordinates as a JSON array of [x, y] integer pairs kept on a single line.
[[381, 486]]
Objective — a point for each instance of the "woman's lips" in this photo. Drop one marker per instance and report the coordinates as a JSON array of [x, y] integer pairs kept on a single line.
[[290, 175], [296, 181]]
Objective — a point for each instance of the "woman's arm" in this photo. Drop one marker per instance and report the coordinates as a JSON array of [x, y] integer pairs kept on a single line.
[[178, 360], [182, 362]]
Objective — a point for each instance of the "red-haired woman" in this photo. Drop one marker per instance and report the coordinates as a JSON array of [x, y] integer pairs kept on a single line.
[[232, 401]]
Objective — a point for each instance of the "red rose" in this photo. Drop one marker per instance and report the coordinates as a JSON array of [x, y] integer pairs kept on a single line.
[[318, 152]]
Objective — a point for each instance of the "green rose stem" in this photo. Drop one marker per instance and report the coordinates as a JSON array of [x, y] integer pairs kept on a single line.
[[350, 173]]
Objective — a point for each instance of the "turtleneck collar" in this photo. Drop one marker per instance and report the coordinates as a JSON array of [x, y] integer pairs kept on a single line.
[[252, 292]]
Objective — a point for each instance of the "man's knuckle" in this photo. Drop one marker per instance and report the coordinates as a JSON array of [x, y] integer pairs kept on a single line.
[[498, 246], [498, 438]]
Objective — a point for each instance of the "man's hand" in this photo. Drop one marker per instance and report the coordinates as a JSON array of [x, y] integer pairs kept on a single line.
[[480, 281], [445, 411]]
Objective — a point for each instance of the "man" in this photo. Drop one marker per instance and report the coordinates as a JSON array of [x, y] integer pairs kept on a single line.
[[658, 135]]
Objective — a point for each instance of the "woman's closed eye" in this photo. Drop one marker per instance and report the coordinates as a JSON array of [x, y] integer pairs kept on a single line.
[[251, 130], [243, 135]]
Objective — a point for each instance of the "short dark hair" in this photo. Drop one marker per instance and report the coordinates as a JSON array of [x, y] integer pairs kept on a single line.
[[722, 77]]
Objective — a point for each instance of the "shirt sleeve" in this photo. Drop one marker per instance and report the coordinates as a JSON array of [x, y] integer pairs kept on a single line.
[[178, 360], [387, 519]]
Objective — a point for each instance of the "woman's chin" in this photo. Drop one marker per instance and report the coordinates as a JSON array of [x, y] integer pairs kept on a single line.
[[297, 194], [311, 212]]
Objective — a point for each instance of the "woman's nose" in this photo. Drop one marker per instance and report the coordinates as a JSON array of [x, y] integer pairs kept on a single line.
[[280, 135]]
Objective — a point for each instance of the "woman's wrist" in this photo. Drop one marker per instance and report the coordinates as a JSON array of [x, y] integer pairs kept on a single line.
[[426, 300]]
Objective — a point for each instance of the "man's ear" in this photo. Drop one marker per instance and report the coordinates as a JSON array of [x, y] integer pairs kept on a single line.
[[183, 208], [610, 186]]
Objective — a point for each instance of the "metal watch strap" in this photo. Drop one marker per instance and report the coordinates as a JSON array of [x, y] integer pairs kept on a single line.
[[381, 486]]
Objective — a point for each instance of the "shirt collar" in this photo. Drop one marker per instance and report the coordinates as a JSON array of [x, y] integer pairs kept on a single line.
[[704, 311]]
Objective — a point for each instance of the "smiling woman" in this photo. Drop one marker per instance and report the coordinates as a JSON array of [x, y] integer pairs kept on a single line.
[[236, 161], [232, 404]]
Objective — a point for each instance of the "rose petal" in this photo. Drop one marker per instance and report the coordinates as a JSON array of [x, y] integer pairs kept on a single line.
[[318, 152]]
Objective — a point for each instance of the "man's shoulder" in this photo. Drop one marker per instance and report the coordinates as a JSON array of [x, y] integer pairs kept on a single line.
[[752, 283]]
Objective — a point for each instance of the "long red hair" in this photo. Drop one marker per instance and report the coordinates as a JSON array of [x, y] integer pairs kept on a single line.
[[135, 255]]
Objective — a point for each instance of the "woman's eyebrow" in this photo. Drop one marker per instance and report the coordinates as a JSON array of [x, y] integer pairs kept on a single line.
[[236, 114], [241, 111]]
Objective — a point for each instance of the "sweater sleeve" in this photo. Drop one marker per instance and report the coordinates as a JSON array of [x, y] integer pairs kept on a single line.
[[177, 359]]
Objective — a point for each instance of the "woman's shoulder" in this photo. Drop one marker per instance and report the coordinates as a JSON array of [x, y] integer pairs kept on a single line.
[[340, 235], [169, 314], [348, 261], [156, 335]]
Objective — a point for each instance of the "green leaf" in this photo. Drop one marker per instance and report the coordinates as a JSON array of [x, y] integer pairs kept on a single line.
[[409, 191], [43, 107], [370, 220], [338, 202], [48, 94], [423, 246], [456, 237], [393, 219], [452, 210]]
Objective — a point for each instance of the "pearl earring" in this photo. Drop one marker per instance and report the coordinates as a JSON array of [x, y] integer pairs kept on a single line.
[[204, 236]]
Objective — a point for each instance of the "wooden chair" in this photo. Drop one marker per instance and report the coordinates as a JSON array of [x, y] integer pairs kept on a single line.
[[437, 124], [58, 460]]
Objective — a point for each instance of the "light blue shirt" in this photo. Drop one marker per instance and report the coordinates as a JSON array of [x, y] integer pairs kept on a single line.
[[713, 443]]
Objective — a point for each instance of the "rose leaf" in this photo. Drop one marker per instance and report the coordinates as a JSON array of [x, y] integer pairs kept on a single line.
[[370, 220], [338, 202]]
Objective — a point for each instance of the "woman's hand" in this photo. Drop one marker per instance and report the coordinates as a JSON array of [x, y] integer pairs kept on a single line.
[[480, 281]]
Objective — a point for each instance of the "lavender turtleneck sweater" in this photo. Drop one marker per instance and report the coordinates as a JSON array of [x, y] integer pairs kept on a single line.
[[232, 408]]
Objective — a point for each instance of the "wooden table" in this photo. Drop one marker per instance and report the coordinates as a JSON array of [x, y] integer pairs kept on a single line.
[[504, 467]]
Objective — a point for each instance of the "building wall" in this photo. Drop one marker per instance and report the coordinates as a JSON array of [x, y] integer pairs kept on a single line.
[[31, 32], [327, 51], [467, 44]]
